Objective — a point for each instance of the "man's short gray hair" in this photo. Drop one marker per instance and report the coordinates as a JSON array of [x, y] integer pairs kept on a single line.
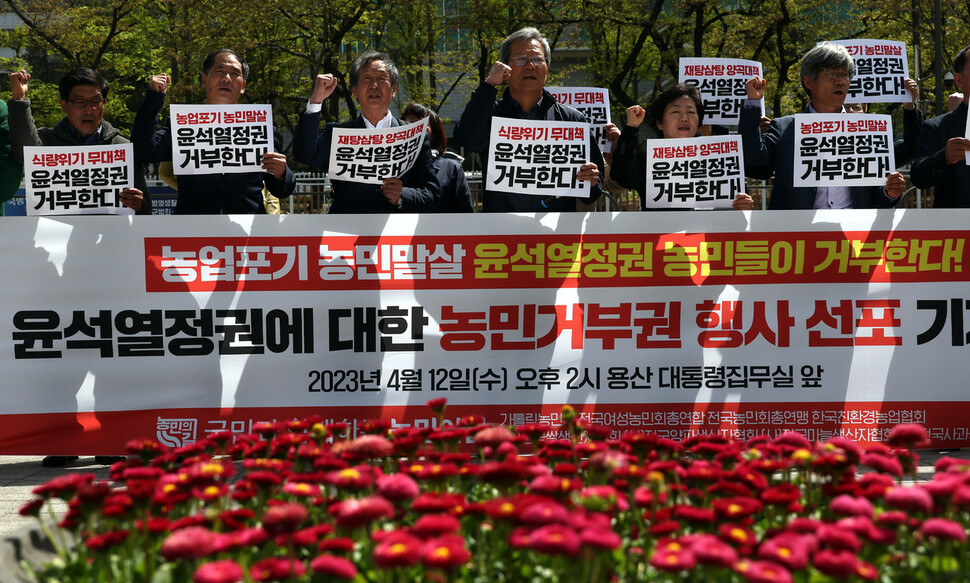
[[524, 34], [825, 56]]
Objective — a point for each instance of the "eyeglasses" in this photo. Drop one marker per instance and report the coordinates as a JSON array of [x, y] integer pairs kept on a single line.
[[836, 74], [95, 102], [522, 61]]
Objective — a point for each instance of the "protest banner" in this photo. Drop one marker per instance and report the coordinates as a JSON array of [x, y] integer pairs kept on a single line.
[[371, 155], [721, 83], [220, 139], [73, 180], [540, 158], [592, 102], [688, 173], [829, 323], [843, 150], [881, 67]]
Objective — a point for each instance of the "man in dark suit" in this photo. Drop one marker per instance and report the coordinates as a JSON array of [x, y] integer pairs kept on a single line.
[[826, 73], [942, 146], [373, 82]]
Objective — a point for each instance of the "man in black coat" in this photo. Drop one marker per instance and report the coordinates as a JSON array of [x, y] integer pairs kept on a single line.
[[373, 82]]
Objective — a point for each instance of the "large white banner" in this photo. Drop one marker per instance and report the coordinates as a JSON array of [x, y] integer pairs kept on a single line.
[[540, 158], [706, 172], [828, 322], [371, 155], [594, 103], [219, 139], [843, 149], [881, 67], [77, 180], [721, 83]]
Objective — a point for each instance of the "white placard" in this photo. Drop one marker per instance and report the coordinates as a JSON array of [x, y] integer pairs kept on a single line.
[[843, 149], [73, 180], [721, 83], [371, 155], [220, 139], [540, 158], [592, 102], [881, 67], [706, 172]]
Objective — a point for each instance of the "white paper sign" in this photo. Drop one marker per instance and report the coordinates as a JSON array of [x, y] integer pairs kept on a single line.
[[881, 67], [220, 139], [73, 180], [592, 102], [843, 149], [370, 156], [706, 172], [540, 158], [721, 83]]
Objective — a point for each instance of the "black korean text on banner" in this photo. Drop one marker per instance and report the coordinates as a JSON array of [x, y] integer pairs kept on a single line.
[[843, 150], [592, 102], [721, 83], [371, 155], [694, 172], [541, 158], [881, 67], [74, 180], [220, 139]]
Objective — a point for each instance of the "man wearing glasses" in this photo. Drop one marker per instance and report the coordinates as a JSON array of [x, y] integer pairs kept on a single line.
[[83, 93], [826, 73], [224, 77], [524, 64]]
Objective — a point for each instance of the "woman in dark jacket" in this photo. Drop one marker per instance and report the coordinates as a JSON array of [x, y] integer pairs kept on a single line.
[[456, 197]]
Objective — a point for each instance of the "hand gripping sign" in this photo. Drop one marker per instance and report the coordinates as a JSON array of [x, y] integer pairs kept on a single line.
[[540, 158], [843, 150], [371, 155], [690, 173], [74, 180]]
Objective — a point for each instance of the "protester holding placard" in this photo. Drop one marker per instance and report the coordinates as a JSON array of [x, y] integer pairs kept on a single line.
[[943, 148], [676, 113], [374, 83], [826, 73], [456, 196], [83, 94], [524, 64], [224, 77]]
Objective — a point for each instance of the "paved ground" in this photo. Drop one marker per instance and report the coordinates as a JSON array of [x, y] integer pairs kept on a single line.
[[20, 474]]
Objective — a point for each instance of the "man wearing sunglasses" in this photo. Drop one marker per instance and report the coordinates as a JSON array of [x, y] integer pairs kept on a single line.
[[84, 93], [524, 64]]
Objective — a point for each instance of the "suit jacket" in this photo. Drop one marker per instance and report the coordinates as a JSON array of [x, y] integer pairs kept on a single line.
[[774, 151], [473, 131], [312, 147], [24, 132], [952, 183], [205, 194]]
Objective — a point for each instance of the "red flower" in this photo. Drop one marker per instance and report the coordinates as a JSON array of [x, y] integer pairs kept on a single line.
[[493, 436], [736, 507], [851, 506], [284, 518], [437, 406], [555, 539], [63, 487], [762, 572], [502, 472], [446, 552], [882, 463], [224, 571], [192, 542], [788, 549], [356, 478], [397, 487], [673, 556], [550, 485], [107, 540], [365, 447], [331, 566], [909, 435], [710, 550], [32, 508], [837, 563], [944, 529], [910, 498], [355, 513], [336, 545], [600, 538], [866, 571], [793, 439], [839, 537], [738, 535], [239, 539], [781, 495], [545, 512], [430, 525], [277, 569], [693, 514], [433, 502], [397, 549]]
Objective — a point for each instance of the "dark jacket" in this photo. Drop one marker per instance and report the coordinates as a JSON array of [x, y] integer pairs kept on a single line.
[[456, 197], [774, 151], [930, 170], [312, 147], [473, 132], [205, 194], [23, 132]]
